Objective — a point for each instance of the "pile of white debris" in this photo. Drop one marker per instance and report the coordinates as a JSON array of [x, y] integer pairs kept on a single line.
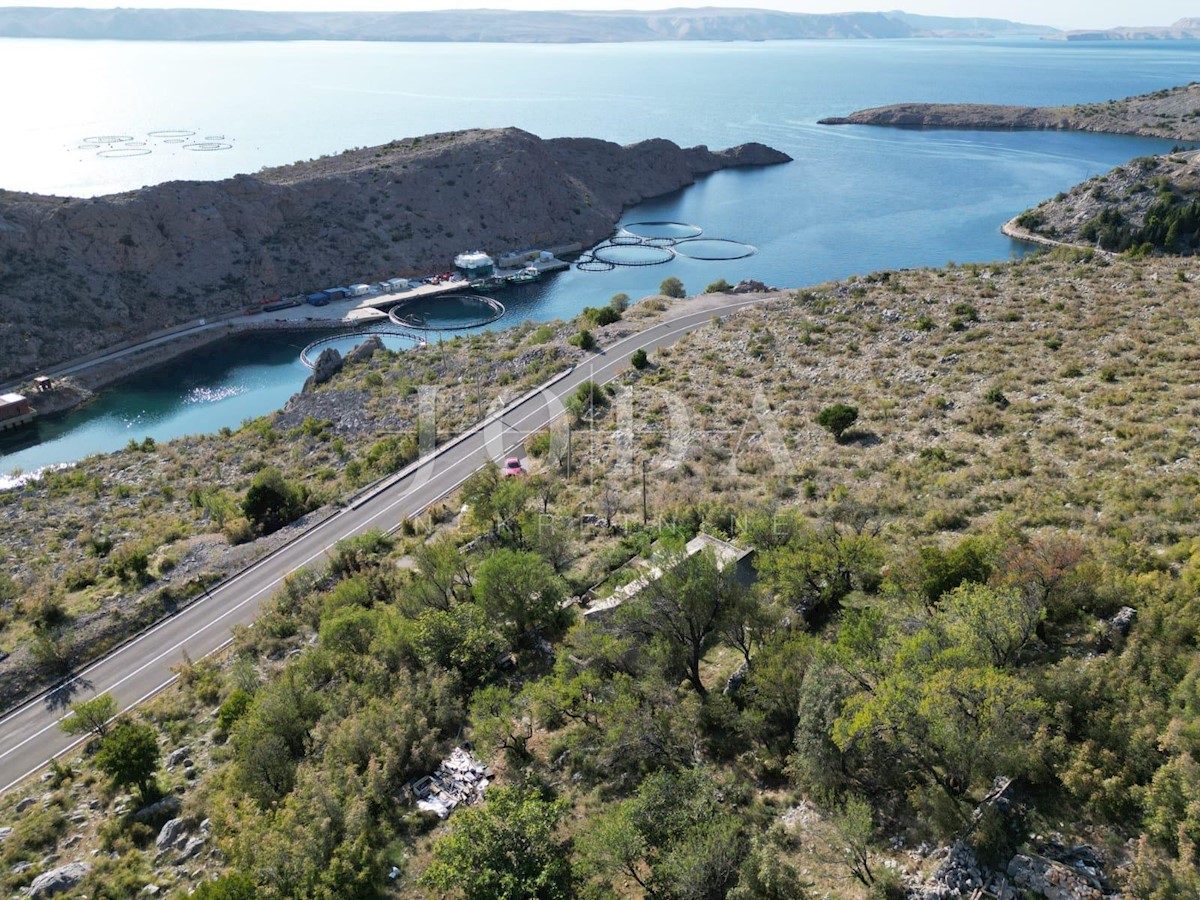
[[461, 779]]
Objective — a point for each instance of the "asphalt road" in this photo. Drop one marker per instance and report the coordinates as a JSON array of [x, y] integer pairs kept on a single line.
[[30, 736]]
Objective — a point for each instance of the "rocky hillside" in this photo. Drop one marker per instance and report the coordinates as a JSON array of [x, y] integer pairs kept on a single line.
[[77, 275], [1149, 205], [487, 25], [1186, 29], [1173, 114]]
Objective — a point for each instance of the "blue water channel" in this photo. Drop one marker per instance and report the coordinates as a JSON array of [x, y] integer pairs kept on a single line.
[[855, 199]]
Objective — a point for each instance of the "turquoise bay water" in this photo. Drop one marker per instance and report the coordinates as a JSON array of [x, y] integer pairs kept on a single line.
[[855, 199]]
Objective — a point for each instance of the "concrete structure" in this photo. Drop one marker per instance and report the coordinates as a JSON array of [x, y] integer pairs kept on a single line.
[[15, 411], [726, 554], [475, 265]]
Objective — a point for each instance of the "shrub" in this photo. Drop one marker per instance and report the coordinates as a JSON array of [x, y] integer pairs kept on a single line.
[[639, 360], [233, 709], [996, 397], [672, 287], [238, 531], [584, 340], [837, 419], [272, 501], [605, 315], [720, 286], [538, 445]]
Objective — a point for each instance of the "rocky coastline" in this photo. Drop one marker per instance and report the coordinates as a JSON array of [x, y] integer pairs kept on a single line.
[[1164, 114], [125, 266]]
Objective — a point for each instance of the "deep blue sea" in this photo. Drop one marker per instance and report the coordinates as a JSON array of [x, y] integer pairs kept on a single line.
[[99, 117]]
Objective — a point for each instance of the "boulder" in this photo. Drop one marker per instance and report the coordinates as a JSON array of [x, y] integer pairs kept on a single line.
[[365, 350], [177, 756], [60, 880], [328, 364], [171, 834], [25, 804], [167, 807], [191, 848]]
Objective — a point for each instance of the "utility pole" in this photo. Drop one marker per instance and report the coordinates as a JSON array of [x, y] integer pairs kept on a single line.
[[645, 508], [568, 451]]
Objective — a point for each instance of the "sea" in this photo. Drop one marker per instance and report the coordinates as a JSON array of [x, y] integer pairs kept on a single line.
[[100, 117]]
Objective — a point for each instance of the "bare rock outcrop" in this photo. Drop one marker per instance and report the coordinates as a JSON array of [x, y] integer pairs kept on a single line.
[[126, 265], [328, 364], [1166, 114]]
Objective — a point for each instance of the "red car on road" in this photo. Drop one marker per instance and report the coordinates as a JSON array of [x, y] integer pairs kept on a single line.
[[512, 466]]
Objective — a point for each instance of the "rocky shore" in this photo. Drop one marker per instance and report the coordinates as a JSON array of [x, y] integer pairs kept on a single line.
[[121, 267], [1165, 114]]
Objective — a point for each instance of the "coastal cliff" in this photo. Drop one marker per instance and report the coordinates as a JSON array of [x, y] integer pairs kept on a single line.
[[77, 275], [1169, 114]]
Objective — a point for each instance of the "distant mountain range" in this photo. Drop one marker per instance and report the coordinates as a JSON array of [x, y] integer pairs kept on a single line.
[[1183, 30], [490, 25]]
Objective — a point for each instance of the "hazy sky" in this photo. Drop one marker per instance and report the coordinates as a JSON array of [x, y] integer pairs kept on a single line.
[[1060, 13]]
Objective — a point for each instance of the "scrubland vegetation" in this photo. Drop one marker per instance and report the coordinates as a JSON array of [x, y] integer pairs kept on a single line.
[[989, 571]]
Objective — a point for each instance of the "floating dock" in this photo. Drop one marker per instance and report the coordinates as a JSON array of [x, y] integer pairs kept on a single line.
[[15, 411]]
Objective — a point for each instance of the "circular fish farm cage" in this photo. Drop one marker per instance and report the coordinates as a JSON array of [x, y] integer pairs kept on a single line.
[[676, 231], [107, 139], [124, 152], [207, 146], [714, 248], [171, 134], [633, 254], [588, 263], [432, 314]]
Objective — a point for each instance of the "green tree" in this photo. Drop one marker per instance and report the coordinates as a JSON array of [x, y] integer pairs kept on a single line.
[[461, 638], [935, 571], [272, 501], [520, 590], [501, 719], [639, 360], [444, 575], [720, 286], [479, 492], [619, 302], [91, 716], [955, 725], [837, 418], [129, 755], [853, 822], [672, 287], [766, 875], [506, 849], [674, 838], [681, 612], [818, 568], [996, 622]]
